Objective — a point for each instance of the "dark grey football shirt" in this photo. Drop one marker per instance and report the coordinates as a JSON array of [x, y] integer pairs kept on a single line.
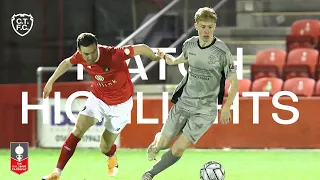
[[206, 65]]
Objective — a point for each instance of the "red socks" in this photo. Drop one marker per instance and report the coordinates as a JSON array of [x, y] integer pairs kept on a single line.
[[69, 147], [112, 151], [67, 150]]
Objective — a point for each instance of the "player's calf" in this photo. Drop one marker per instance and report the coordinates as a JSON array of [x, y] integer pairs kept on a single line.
[[181, 145], [109, 150], [69, 146]]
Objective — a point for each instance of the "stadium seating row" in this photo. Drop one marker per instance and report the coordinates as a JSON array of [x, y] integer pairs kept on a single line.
[[305, 33], [301, 86], [300, 62]]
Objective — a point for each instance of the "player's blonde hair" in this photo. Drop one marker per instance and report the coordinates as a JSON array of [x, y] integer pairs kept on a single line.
[[205, 14]]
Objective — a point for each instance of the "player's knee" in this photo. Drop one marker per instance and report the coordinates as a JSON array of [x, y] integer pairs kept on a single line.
[[77, 131], [178, 150], [180, 146], [82, 125]]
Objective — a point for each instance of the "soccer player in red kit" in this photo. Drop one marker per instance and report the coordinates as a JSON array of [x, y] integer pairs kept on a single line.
[[110, 97]]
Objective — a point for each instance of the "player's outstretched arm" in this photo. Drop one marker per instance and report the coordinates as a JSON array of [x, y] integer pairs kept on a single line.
[[142, 49], [170, 60], [61, 69]]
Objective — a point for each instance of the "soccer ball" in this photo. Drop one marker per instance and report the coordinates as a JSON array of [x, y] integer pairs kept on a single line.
[[212, 171]]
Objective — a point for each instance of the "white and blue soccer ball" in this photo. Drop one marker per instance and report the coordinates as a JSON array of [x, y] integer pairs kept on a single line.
[[212, 171]]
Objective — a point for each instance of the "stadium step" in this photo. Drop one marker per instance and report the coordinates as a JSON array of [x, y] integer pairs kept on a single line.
[[253, 46], [251, 13], [253, 40], [287, 5], [253, 32], [265, 19]]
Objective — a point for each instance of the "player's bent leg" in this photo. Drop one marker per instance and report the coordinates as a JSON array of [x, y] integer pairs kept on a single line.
[[117, 118], [191, 134], [82, 125], [171, 129], [181, 145], [170, 157], [108, 148]]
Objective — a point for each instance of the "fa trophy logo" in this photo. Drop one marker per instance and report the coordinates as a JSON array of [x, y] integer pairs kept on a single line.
[[19, 157]]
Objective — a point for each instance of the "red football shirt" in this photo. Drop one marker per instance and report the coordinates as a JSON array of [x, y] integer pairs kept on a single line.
[[110, 74]]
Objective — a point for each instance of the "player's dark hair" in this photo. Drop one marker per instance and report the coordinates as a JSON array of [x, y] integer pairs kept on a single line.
[[86, 39]]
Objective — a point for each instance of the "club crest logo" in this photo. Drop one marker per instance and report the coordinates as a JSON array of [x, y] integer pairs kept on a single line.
[[212, 59], [22, 23], [99, 77], [19, 157]]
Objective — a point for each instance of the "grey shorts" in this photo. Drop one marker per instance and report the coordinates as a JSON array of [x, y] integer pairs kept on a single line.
[[192, 124]]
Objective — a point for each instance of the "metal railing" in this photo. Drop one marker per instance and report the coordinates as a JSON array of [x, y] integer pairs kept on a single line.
[[177, 42], [150, 21]]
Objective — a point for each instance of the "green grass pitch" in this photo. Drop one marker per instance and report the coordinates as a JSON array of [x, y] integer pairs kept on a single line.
[[89, 164]]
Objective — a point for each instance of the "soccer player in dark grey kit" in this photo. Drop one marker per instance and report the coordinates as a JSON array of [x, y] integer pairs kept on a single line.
[[195, 98]]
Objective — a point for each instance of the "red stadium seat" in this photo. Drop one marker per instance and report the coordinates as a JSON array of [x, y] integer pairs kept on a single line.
[[269, 63], [301, 86], [300, 41], [317, 89], [243, 86], [304, 34], [306, 27], [267, 84], [300, 63]]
